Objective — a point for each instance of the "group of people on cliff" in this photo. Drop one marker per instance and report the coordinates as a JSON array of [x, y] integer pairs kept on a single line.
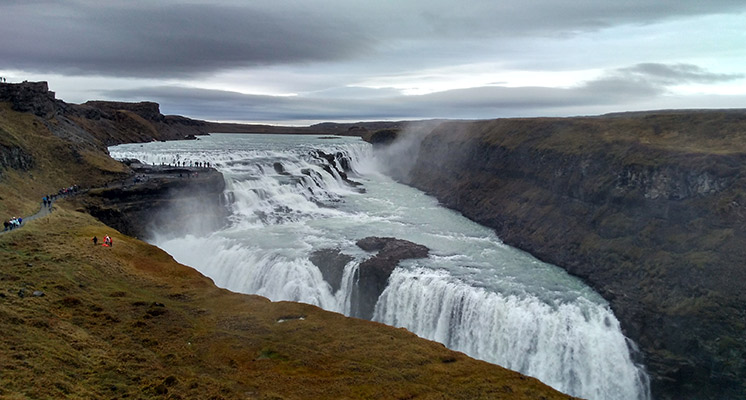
[[12, 223], [64, 192], [68, 191], [198, 164]]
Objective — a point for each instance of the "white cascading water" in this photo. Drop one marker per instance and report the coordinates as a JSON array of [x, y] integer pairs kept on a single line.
[[473, 293]]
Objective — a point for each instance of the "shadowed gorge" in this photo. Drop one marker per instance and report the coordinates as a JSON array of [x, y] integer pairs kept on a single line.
[[648, 208]]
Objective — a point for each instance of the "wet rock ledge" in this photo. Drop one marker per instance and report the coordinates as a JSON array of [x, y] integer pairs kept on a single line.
[[373, 273], [160, 199]]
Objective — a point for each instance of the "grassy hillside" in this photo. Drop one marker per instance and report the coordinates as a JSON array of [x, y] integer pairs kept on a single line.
[[130, 322], [54, 162]]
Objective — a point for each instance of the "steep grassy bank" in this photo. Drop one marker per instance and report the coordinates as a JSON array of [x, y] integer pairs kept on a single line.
[[129, 322], [648, 209]]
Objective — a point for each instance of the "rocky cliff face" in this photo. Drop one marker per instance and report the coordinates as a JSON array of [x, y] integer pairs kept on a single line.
[[164, 199], [33, 97], [648, 210], [15, 157], [99, 123]]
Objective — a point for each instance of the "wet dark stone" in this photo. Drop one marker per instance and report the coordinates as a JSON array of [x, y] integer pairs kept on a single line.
[[331, 263], [373, 273]]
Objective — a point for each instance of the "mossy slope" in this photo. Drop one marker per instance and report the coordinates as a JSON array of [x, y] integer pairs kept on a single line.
[[128, 321]]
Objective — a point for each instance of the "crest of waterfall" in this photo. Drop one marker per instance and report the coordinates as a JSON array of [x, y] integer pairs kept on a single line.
[[292, 195]]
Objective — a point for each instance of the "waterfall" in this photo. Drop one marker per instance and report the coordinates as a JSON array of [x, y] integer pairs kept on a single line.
[[577, 347], [290, 196]]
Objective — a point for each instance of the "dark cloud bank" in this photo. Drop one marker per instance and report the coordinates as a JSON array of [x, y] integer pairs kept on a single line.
[[161, 39], [176, 39]]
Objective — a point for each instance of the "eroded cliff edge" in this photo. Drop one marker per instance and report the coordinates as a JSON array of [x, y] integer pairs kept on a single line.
[[649, 209]]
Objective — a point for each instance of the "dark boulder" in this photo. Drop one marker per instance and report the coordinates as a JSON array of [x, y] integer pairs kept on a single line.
[[279, 168], [331, 263], [373, 273]]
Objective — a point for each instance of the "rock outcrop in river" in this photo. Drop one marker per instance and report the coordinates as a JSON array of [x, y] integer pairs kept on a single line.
[[649, 209], [373, 273]]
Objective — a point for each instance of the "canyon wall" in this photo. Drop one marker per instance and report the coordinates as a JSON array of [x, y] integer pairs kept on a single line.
[[648, 209]]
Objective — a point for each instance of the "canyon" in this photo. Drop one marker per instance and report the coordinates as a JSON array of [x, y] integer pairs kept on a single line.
[[647, 208]]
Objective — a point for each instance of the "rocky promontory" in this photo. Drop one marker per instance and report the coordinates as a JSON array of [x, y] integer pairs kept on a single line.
[[375, 271], [648, 209], [160, 198]]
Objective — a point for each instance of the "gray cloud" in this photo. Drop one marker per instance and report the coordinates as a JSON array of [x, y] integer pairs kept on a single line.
[[667, 74], [166, 39], [188, 39]]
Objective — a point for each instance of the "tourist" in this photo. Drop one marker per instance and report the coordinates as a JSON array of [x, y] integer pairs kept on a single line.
[[94, 240]]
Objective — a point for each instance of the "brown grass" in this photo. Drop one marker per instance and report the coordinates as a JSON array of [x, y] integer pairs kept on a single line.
[[128, 321], [716, 132]]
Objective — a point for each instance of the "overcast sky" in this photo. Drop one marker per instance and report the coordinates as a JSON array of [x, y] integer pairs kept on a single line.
[[306, 61]]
